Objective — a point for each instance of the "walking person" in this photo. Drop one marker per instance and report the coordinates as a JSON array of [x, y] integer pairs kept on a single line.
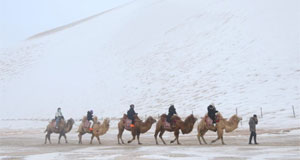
[[252, 126]]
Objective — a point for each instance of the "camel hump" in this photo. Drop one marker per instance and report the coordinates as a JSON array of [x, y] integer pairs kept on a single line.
[[175, 117], [125, 116]]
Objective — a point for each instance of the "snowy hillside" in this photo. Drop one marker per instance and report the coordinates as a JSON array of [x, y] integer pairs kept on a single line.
[[152, 53]]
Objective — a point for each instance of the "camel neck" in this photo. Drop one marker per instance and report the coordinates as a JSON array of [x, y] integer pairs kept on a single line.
[[145, 126]]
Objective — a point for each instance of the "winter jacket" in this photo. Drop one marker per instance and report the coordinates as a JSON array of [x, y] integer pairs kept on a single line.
[[89, 116], [58, 114], [131, 113], [172, 111], [212, 112], [252, 124]]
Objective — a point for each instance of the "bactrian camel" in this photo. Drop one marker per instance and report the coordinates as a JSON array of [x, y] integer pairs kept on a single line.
[[222, 124], [98, 129], [62, 129], [139, 127], [185, 126]]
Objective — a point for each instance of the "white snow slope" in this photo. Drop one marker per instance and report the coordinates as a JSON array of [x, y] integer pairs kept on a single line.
[[153, 53]]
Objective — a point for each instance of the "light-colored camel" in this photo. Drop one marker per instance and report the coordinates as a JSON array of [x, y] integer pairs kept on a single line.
[[223, 124], [140, 127], [98, 129], [185, 126], [63, 128]]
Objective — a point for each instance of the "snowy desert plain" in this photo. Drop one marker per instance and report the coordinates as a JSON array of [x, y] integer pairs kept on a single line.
[[244, 56]]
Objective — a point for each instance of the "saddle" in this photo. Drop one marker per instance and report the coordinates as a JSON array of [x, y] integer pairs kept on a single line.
[[208, 121], [127, 123], [53, 123], [167, 125], [86, 124]]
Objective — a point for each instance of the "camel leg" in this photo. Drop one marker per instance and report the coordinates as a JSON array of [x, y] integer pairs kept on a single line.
[[133, 133], [133, 138], [173, 140], [98, 138], [92, 139], [198, 136], [160, 136], [46, 137], [202, 136], [138, 138], [49, 139], [203, 139], [59, 138], [176, 134], [80, 137], [121, 130], [155, 135], [220, 135], [65, 137]]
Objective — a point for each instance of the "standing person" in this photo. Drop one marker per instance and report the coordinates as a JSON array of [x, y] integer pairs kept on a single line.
[[212, 111], [130, 114], [58, 117], [252, 126], [90, 117], [172, 111]]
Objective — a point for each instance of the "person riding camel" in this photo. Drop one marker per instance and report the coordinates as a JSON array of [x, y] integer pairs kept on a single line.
[[130, 114], [58, 117], [212, 112], [90, 117], [172, 111]]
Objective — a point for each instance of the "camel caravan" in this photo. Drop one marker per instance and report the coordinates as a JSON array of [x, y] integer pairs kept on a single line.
[[171, 122]]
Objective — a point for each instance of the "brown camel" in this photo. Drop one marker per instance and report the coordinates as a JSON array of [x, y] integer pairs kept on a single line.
[[63, 128], [185, 126], [140, 127], [98, 129], [229, 126]]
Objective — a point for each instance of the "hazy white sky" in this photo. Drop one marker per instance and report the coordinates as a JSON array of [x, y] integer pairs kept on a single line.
[[19, 19]]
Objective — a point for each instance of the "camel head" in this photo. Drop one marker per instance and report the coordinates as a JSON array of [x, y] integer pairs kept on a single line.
[[236, 118], [151, 120]]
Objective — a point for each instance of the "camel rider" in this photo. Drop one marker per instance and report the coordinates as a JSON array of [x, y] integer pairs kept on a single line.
[[130, 114], [212, 112], [172, 111], [58, 117], [90, 117]]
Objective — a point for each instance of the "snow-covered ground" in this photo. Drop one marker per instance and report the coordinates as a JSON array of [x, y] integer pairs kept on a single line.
[[242, 55]]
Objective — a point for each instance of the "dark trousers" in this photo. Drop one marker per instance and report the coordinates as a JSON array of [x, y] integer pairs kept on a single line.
[[253, 134]]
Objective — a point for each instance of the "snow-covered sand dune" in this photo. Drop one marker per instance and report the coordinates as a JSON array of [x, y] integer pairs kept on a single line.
[[237, 54]]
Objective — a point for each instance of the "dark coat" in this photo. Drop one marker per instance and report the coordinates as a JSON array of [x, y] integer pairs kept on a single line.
[[89, 116], [131, 113], [252, 124], [172, 111], [212, 112]]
